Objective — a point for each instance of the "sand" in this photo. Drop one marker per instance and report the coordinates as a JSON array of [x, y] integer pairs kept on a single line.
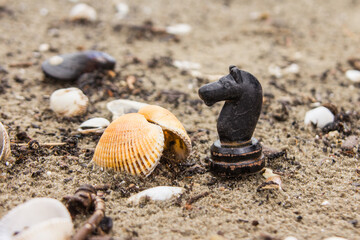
[[317, 36]]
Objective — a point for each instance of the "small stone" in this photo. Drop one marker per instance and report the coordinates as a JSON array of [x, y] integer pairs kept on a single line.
[[320, 117], [325, 203], [44, 11], [350, 143], [292, 69], [353, 75]]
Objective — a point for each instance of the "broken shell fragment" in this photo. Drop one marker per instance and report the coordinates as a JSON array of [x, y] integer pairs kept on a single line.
[[320, 117], [69, 102], [273, 181], [83, 12], [94, 125], [37, 219], [131, 144], [70, 66], [4, 143], [177, 142], [160, 193], [123, 106]]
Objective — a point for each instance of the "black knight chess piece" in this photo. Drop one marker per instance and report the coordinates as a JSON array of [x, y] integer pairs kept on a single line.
[[236, 152]]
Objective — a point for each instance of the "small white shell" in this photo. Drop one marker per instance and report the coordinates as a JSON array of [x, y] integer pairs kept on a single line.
[[320, 116], [93, 125], [83, 11], [178, 29], [160, 193], [122, 106], [69, 102], [38, 219], [4, 143], [353, 75]]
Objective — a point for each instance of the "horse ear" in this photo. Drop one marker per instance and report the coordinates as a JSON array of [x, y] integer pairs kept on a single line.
[[235, 73]]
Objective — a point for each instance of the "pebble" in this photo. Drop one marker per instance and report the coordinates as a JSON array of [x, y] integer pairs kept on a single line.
[[160, 193], [320, 116], [122, 9], [44, 11], [178, 29], [350, 142], [353, 75], [82, 11]]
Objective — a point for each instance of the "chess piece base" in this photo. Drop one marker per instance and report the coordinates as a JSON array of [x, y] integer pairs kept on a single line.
[[236, 160]]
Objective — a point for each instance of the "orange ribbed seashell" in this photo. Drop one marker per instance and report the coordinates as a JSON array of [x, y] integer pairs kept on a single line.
[[131, 144], [177, 142]]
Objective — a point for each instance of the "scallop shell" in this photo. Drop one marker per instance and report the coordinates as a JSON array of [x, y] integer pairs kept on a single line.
[[177, 142], [93, 125], [69, 102], [122, 106], [4, 143], [37, 219], [130, 144]]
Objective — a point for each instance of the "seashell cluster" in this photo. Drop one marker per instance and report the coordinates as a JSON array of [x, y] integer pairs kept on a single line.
[[160, 193], [135, 142], [69, 102], [83, 11], [93, 125], [4, 143], [123, 106], [37, 219], [71, 66]]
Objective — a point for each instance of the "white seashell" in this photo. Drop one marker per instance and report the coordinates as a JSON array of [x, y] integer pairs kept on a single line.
[[93, 125], [178, 29], [160, 193], [69, 102], [353, 75], [320, 116], [186, 65], [82, 11], [38, 219], [123, 106], [325, 203], [122, 10], [5, 150]]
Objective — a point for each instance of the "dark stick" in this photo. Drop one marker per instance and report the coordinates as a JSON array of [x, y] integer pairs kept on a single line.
[[93, 222], [196, 198]]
